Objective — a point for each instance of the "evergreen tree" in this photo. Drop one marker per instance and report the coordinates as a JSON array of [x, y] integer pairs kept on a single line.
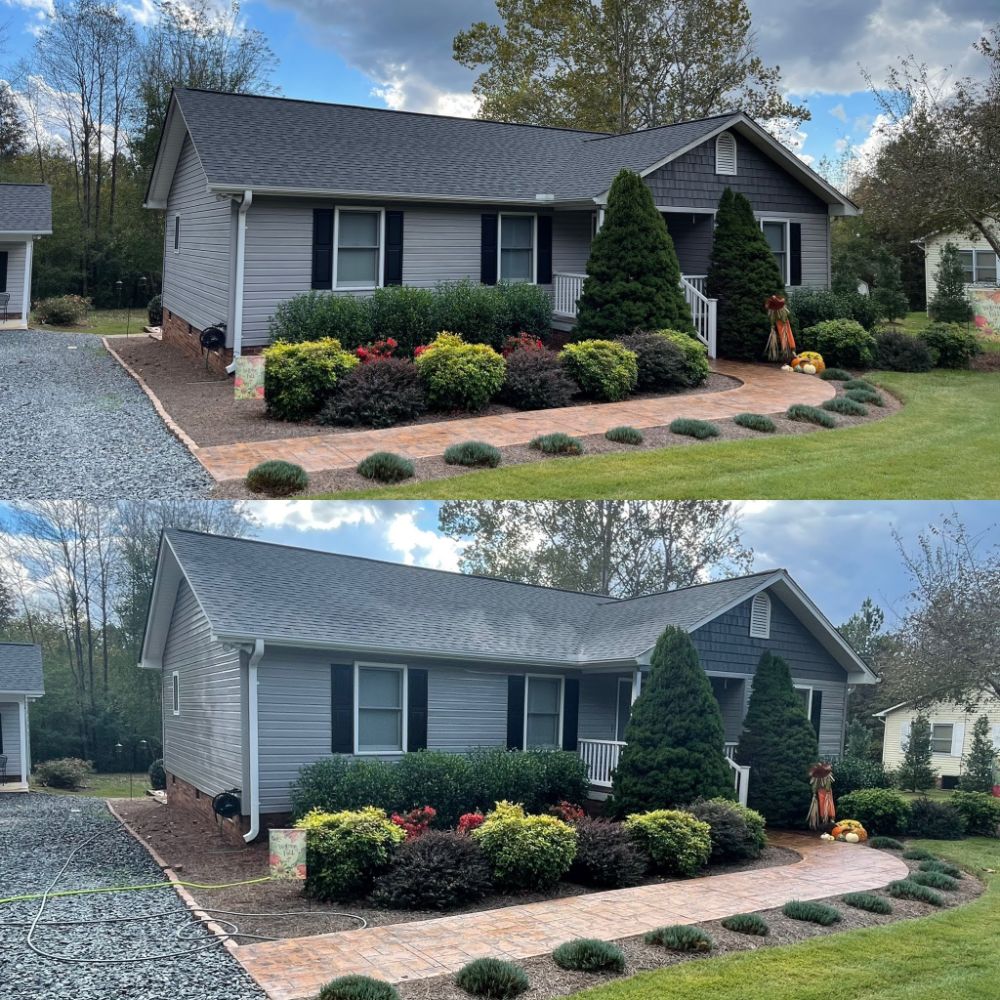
[[888, 295], [916, 773], [778, 744], [13, 131], [981, 762], [633, 277], [673, 751], [742, 275], [950, 303], [857, 740]]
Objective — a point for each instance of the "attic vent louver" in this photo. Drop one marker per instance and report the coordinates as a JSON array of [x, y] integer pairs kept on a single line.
[[725, 154], [760, 617]]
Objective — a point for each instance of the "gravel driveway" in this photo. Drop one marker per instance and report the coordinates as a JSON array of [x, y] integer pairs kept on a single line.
[[37, 834], [73, 424]]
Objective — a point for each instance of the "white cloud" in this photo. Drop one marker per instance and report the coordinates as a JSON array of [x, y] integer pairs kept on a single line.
[[420, 546], [838, 112], [311, 515]]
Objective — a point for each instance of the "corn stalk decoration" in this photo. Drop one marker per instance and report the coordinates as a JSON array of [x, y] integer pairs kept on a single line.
[[821, 809]]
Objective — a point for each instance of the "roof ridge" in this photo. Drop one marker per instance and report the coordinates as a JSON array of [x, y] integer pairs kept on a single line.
[[657, 128], [704, 583]]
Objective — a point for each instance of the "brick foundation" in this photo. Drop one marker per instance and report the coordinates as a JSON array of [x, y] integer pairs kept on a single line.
[[179, 333]]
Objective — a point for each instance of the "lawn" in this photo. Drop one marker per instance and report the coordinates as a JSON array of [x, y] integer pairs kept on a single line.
[[939, 445], [103, 323], [105, 786], [954, 954]]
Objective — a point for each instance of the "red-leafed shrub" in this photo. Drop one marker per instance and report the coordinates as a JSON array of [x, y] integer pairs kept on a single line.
[[470, 821], [378, 351], [522, 342], [568, 812], [416, 821]]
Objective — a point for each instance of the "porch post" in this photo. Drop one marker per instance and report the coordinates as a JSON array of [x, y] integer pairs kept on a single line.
[[636, 685], [22, 718], [29, 249]]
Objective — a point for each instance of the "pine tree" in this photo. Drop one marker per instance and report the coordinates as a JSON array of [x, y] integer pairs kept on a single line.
[[779, 745], [857, 740], [633, 277], [950, 303], [742, 275], [916, 773], [673, 751], [980, 764], [889, 297]]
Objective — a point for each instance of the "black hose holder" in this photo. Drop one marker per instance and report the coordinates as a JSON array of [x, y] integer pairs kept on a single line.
[[227, 804]]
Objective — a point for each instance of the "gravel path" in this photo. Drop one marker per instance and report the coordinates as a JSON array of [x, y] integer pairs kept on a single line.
[[37, 833], [75, 425]]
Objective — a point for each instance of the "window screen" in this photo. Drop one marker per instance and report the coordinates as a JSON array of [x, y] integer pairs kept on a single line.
[[380, 709]]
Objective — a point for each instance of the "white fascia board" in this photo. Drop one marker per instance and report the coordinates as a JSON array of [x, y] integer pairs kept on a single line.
[[234, 189], [25, 234]]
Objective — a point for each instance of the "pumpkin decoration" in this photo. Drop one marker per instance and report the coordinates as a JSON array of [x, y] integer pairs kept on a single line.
[[849, 830], [810, 362]]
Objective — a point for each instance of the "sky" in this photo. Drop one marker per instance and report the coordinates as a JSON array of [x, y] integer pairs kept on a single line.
[[398, 54]]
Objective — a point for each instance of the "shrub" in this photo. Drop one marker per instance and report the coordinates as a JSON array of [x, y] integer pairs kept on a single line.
[[879, 810], [468, 822], [812, 306], [434, 776], [868, 901], [435, 871], [524, 309], [919, 854], [935, 820], [492, 978], [380, 393], [907, 889], [557, 776], [557, 444], [346, 850], [746, 923], [624, 435], [336, 783], [299, 378], [526, 852], [589, 955], [869, 397], [696, 369], [860, 383], [902, 352], [321, 316], [700, 429], [416, 822], [385, 467], [842, 342], [662, 364], [676, 842], [603, 369], [66, 772], [358, 988], [853, 771], [755, 422], [885, 843], [835, 375], [568, 812], [277, 478], [810, 415], [933, 864], [489, 314], [954, 345], [606, 856], [935, 880], [408, 315], [157, 775], [154, 310], [846, 407], [680, 937], [980, 762], [950, 303], [736, 831], [981, 812], [916, 773], [536, 380], [814, 913], [473, 453], [522, 342], [62, 310], [460, 376]]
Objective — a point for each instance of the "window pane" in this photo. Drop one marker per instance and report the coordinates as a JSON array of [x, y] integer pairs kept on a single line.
[[358, 229], [941, 738], [803, 694], [380, 729], [779, 259], [357, 268], [543, 731], [775, 233], [966, 257], [516, 232], [986, 267], [515, 265], [543, 695], [380, 688], [624, 708]]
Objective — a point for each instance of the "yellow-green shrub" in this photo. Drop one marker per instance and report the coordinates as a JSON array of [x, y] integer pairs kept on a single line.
[[603, 369], [676, 842], [300, 378], [460, 376]]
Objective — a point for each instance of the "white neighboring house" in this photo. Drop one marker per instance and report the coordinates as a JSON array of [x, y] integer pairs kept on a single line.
[[25, 214], [20, 684], [982, 273], [951, 735]]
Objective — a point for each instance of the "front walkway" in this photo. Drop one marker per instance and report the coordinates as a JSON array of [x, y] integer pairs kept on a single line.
[[296, 968], [764, 390]]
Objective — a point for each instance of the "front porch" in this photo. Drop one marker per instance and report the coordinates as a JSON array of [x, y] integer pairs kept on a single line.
[[15, 764]]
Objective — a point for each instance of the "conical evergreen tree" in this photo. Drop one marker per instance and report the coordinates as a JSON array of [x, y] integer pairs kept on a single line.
[[916, 773], [742, 275], [950, 303], [778, 744], [633, 277], [980, 764], [674, 740]]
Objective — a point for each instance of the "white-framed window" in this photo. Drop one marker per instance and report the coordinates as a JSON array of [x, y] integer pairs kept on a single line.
[[379, 708], [175, 692], [806, 695], [776, 232], [543, 712], [358, 248], [623, 710], [941, 737], [760, 616], [177, 234], [516, 242], [725, 154], [979, 266]]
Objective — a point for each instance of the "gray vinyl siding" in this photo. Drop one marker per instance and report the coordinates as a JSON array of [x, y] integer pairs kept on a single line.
[[692, 235], [815, 245], [571, 241], [196, 277], [730, 693], [15, 276], [598, 706], [11, 724], [203, 744]]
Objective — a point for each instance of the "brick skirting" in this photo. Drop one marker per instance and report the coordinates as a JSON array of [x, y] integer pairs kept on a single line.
[[181, 334]]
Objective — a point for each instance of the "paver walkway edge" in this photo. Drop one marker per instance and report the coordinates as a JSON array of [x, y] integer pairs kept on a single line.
[[296, 968]]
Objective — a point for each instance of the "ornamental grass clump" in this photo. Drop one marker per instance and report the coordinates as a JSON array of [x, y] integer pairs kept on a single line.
[[920, 854], [624, 435], [810, 415], [589, 955], [885, 843], [813, 913], [746, 923], [385, 467], [835, 375], [700, 429], [908, 889], [845, 406], [680, 937], [943, 867], [866, 396], [868, 901], [935, 880], [473, 453], [755, 422], [859, 383], [277, 478], [358, 988], [492, 978], [557, 444]]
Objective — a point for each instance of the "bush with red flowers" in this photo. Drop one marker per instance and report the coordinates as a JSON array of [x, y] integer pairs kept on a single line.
[[377, 351], [522, 342], [416, 821], [568, 812], [470, 821]]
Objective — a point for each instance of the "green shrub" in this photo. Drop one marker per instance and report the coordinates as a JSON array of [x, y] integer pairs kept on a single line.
[[981, 811], [157, 775], [843, 343], [662, 363], [407, 314], [154, 310], [696, 368], [589, 955], [935, 880], [603, 369], [736, 831], [358, 988], [299, 378], [524, 308], [676, 842], [885, 843], [473, 453], [322, 316], [380, 393], [624, 435], [700, 429], [846, 407], [277, 478], [919, 854], [526, 852], [755, 422], [935, 820], [606, 855], [66, 772], [980, 770], [854, 771], [902, 352], [746, 923], [62, 310], [907, 889], [868, 901], [813, 913], [489, 314], [336, 783], [492, 978], [866, 396], [812, 306], [835, 375], [460, 376], [385, 467], [953, 344], [933, 864], [536, 380], [879, 810], [680, 937], [860, 383], [557, 444], [346, 850], [810, 415]]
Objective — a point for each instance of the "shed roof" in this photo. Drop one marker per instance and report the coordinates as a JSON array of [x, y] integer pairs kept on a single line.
[[25, 209], [21, 668]]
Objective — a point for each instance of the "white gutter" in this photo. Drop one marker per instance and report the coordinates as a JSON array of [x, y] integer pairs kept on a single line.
[[254, 771], [241, 247]]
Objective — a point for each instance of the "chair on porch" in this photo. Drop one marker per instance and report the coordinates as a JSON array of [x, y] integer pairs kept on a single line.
[[4, 302]]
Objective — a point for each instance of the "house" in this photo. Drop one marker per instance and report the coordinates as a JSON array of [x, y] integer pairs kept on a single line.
[[951, 734], [266, 198], [25, 214], [20, 683], [273, 657], [982, 275]]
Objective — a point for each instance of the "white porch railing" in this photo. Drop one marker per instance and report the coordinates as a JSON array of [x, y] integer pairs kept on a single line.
[[568, 288], [698, 280]]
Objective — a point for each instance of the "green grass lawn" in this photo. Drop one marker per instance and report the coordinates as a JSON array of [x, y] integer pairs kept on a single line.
[[105, 786], [103, 323], [940, 445], [954, 954]]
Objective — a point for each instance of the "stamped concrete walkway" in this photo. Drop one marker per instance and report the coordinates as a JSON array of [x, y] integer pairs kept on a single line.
[[295, 968], [764, 390]]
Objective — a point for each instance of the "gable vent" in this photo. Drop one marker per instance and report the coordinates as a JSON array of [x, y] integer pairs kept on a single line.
[[725, 154], [760, 617]]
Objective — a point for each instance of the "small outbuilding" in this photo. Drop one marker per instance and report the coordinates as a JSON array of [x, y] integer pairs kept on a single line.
[[25, 214], [20, 683]]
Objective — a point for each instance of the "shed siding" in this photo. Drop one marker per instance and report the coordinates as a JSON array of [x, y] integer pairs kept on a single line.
[[10, 722], [932, 255], [15, 275], [202, 745]]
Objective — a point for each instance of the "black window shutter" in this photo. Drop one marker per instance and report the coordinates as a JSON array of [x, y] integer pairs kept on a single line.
[[544, 276], [515, 712], [416, 709], [3, 270], [342, 708], [795, 251], [488, 250], [571, 713], [816, 712], [393, 271], [177, 232], [322, 249]]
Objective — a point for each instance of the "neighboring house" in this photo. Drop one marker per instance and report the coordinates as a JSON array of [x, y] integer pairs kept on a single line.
[[266, 198], [951, 735], [20, 683], [982, 275], [25, 214], [274, 657]]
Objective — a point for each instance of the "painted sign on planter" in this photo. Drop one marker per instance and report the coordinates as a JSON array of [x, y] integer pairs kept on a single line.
[[287, 849], [986, 305], [249, 380]]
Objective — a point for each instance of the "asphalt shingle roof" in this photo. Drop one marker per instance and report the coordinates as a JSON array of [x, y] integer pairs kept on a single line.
[[25, 208], [20, 667]]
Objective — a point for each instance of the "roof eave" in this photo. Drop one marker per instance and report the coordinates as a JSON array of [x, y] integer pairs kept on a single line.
[[23, 234]]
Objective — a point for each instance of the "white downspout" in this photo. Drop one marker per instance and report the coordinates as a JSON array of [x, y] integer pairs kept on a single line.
[[29, 250], [254, 771], [241, 247], [22, 707]]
